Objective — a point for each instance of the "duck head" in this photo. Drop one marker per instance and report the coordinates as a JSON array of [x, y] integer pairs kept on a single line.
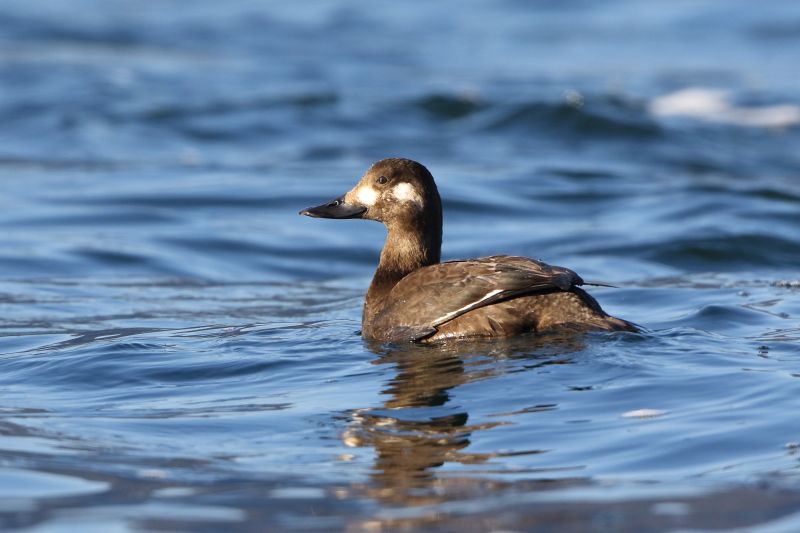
[[396, 192]]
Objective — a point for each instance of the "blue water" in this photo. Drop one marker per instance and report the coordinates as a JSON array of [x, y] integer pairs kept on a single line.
[[178, 349]]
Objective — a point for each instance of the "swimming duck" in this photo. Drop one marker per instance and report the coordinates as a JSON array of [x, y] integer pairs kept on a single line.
[[415, 297]]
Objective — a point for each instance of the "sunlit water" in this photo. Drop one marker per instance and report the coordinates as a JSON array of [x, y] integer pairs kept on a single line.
[[179, 348]]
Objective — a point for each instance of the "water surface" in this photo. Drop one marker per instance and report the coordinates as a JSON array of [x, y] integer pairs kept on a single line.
[[179, 348]]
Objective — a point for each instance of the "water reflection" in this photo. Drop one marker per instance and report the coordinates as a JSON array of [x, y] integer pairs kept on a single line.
[[420, 428]]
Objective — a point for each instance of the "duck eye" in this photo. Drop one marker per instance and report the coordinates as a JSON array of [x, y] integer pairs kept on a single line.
[[382, 179]]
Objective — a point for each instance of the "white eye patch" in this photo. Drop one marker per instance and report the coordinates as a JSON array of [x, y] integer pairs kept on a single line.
[[405, 192], [366, 196]]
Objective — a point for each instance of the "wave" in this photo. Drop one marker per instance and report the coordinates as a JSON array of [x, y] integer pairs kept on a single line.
[[724, 253], [609, 116]]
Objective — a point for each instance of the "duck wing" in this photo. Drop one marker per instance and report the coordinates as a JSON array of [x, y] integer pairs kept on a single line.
[[434, 295]]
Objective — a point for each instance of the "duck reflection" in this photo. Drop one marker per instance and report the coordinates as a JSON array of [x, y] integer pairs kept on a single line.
[[420, 428]]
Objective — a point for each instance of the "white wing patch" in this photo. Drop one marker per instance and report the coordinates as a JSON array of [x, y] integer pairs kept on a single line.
[[405, 192], [366, 196], [470, 305]]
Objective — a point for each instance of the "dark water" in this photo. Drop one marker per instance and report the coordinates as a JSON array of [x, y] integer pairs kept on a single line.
[[178, 347]]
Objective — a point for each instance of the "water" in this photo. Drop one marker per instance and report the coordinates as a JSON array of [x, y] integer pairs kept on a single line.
[[179, 348]]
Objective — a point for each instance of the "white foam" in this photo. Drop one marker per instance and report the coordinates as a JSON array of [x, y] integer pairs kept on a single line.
[[644, 413], [714, 105]]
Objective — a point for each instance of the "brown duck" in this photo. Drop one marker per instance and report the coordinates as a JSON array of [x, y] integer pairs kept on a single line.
[[414, 297]]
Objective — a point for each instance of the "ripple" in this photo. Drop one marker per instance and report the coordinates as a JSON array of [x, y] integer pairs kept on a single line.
[[223, 107], [95, 219], [17, 484]]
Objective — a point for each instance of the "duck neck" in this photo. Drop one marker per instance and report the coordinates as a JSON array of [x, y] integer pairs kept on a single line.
[[407, 249]]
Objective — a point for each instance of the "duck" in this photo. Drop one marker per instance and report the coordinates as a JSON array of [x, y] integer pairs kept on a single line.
[[415, 297]]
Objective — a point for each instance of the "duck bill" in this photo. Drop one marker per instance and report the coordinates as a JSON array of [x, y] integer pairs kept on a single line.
[[337, 208]]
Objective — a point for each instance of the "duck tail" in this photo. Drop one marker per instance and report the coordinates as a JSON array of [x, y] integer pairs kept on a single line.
[[597, 284]]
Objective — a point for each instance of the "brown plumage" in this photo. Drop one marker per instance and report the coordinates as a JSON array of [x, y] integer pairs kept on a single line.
[[414, 297]]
